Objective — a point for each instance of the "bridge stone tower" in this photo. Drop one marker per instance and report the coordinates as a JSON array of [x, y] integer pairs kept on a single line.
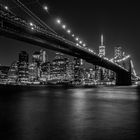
[[124, 78]]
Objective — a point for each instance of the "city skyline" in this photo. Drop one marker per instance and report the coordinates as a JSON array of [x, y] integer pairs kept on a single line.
[[60, 70]]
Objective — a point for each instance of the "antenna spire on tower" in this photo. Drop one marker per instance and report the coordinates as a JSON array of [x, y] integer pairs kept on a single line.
[[102, 40]]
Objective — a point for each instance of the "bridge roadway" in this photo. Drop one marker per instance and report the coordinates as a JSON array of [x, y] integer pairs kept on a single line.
[[18, 29]]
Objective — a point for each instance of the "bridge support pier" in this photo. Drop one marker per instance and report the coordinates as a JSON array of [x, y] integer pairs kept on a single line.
[[123, 79]]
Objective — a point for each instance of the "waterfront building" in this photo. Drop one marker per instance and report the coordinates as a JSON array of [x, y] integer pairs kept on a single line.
[[118, 53], [23, 67], [45, 72], [77, 70], [33, 72], [36, 58], [70, 71], [43, 56], [4, 74], [58, 68], [13, 73]]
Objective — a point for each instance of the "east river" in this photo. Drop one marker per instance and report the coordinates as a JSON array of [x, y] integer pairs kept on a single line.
[[40, 113]]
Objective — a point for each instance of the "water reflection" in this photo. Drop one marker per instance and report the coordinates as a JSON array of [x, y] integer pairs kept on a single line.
[[72, 114]]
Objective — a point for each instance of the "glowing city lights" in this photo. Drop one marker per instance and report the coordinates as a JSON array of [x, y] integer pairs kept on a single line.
[[76, 43]]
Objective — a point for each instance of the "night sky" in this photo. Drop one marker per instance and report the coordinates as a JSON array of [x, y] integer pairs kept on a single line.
[[119, 23]]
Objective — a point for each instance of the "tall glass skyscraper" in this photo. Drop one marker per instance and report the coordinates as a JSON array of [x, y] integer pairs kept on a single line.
[[102, 47]]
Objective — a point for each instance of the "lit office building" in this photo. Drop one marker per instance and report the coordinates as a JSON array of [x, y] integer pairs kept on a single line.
[[43, 56], [118, 53], [36, 57], [100, 72], [33, 72], [45, 72], [102, 47], [4, 74], [97, 73], [88, 77], [13, 73], [77, 70], [70, 71], [23, 67], [58, 68]]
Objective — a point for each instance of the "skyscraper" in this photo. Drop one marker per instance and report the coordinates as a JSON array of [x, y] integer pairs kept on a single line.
[[23, 57], [13, 73], [77, 70], [45, 72], [102, 47], [59, 67], [36, 57], [23, 67], [118, 53], [43, 56], [33, 72]]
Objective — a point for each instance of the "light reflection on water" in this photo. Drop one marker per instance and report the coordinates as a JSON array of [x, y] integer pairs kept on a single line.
[[72, 114]]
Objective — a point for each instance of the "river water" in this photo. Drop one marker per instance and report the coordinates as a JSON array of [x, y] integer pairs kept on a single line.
[[107, 113]]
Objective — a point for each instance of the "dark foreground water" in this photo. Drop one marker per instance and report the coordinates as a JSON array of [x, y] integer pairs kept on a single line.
[[110, 113]]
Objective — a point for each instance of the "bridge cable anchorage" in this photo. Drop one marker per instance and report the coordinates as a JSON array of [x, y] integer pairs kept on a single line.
[[36, 18]]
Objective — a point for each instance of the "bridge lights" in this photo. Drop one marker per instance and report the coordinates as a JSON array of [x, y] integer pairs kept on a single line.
[[6, 7], [68, 31], [32, 28], [84, 45], [64, 26], [76, 38], [77, 44], [73, 35], [58, 21], [31, 24], [45, 8]]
